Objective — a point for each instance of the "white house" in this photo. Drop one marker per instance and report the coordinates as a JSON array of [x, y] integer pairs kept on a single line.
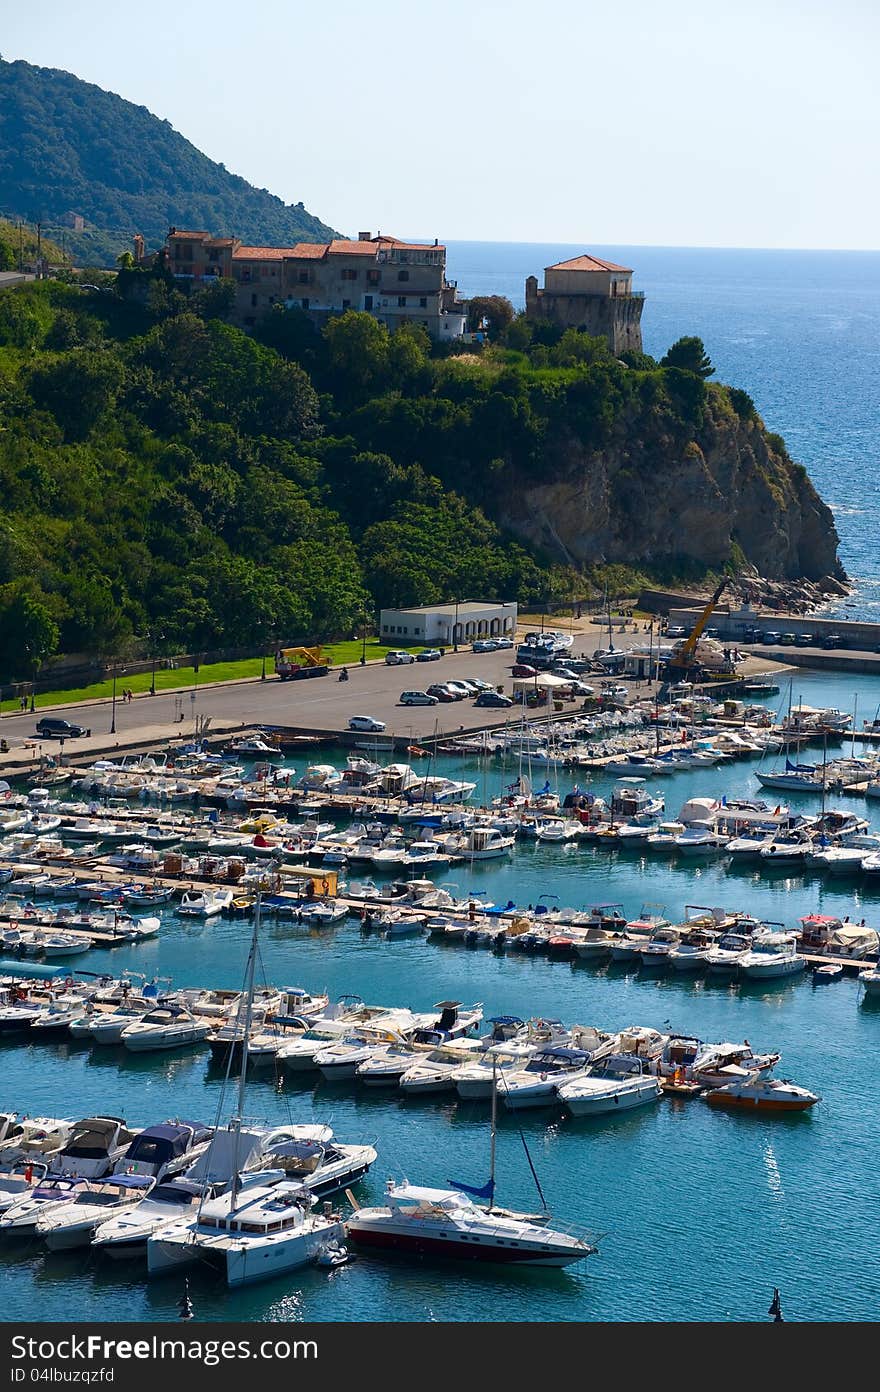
[[443, 625]]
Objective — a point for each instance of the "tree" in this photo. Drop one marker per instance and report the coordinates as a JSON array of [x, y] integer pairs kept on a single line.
[[496, 310], [29, 633], [125, 261], [77, 388], [690, 355]]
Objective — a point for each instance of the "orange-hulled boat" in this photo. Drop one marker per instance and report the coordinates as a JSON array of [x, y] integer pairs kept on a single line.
[[763, 1094]]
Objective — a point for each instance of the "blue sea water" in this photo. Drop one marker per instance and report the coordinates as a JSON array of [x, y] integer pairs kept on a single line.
[[798, 330]]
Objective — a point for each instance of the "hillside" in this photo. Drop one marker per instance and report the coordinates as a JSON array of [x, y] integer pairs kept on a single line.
[[67, 146], [162, 472]]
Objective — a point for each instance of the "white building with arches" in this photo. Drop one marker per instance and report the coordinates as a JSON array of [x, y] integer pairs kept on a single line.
[[443, 625]]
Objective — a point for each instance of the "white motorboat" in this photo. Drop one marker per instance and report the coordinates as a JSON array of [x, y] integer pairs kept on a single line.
[[95, 1145], [480, 843], [435, 1071], [298, 1054], [475, 1080], [664, 836], [701, 839], [870, 979], [204, 903], [772, 956], [616, 1084], [715, 1065], [690, 953], [63, 1226], [312, 1156], [20, 1218], [787, 848], [147, 896], [535, 1085], [655, 953], [165, 1150], [447, 1223], [57, 1017], [341, 1059], [20, 1179], [34, 1138], [169, 1025], [106, 1026], [749, 843], [125, 1234], [727, 953]]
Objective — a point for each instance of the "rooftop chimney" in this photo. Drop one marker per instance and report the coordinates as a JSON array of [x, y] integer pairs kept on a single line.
[[364, 237], [436, 241]]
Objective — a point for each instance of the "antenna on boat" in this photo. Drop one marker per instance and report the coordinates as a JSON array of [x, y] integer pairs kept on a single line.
[[494, 1125], [776, 1308], [248, 1017]]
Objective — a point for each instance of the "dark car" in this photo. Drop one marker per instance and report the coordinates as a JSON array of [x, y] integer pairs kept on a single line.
[[522, 669], [832, 640], [51, 728], [442, 692], [492, 698]]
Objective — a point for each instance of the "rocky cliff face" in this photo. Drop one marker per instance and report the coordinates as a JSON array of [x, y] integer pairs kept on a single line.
[[652, 499]]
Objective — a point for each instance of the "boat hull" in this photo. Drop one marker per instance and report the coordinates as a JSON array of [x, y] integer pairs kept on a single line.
[[396, 1239]]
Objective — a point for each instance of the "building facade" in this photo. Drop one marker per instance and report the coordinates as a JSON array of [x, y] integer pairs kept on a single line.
[[397, 282], [589, 294], [447, 624]]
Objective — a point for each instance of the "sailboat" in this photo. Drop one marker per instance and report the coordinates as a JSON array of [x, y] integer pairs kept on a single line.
[[794, 777], [448, 1223], [264, 1225]]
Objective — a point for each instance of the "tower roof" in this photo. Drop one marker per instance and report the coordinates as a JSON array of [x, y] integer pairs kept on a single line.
[[586, 262]]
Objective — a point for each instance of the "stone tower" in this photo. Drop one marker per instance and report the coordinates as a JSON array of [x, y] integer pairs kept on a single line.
[[589, 294]]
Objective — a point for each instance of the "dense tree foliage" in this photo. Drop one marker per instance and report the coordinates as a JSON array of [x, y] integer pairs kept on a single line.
[[67, 146], [161, 471], [689, 354]]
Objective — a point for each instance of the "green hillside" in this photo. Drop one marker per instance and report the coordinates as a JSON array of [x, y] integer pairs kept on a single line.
[[67, 146]]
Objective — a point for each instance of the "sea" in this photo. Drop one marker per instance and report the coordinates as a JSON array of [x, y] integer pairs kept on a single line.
[[798, 330], [697, 1214]]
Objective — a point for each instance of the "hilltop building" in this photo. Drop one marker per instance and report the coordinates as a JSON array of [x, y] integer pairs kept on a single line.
[[590, 294], [397, 282]]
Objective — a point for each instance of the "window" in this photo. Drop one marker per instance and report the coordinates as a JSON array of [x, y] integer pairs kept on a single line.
[[213, 256], [305, 304], [403, 275], [349, 275], [249, 319], [372, 277], [423, 302], [368, 302], [253, 299], [303, 277], [401, 301], [346, 304]]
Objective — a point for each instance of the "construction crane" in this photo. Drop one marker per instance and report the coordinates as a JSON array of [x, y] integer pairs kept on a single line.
[[683, 664], [293, 663]]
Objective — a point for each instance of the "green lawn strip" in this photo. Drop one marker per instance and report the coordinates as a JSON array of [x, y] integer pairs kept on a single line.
[[337, 654]]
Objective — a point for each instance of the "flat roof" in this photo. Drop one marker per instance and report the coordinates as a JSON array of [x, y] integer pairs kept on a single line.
[[468, 606]]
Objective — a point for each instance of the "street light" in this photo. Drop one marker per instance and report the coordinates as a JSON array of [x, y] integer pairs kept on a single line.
[[364, 643], [113, 713], [154, 639], [455, 628]]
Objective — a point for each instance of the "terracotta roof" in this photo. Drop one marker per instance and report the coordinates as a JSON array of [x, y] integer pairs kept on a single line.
[[410, 246], [312, 251], [187, 236], [587, 263], [259, 253], [339, 247]]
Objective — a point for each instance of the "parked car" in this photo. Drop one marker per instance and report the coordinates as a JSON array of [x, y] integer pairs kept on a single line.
[[480, 684], [770, 638], [676, 631], [565, 672], [503, 642], [581, 688], [832, 640], [366, 722], [804, 640], [417, 698], [463, 685], [522, 669], [789, 639], [428, 655], [51, 728], [484, 645], [443, 692], [398, 656], [492, 698], [713, 632]]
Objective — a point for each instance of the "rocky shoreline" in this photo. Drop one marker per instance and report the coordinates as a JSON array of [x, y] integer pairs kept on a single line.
[[788, 596]]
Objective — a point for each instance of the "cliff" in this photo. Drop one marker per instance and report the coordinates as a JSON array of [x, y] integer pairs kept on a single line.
[[649, 498]]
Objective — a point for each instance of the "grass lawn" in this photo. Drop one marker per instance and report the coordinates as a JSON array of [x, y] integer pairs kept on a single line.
[[337, 654]]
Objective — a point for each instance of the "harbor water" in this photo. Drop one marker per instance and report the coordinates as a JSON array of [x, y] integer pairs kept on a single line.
[[699, 1213]]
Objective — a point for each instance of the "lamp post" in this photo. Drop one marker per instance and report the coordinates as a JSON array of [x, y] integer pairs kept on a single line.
[[113, 705], [364, 640], [154, 639], [455, 628]]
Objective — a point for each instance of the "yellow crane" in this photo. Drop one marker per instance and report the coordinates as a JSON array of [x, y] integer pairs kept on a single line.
[[291, 663], [683, 663]]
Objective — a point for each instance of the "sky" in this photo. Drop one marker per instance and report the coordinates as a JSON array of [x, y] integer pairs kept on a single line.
[[680, 123]]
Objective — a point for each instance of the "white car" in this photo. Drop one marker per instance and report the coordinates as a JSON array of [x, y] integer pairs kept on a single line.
[[394, 659], [503, 642], [484, 645], [466, 688], [366, 722]]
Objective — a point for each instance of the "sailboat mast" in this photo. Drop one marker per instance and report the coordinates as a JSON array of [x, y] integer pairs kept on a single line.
[[248, 1019], [492, 1134]]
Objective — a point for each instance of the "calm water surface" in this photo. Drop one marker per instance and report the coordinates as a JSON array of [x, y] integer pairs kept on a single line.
[[700, 1213]]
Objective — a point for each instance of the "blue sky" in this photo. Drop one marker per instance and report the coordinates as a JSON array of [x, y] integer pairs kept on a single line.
[[676, 123]]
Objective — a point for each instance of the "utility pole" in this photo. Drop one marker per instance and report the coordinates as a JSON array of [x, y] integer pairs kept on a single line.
[[20, 247], [39, 248]]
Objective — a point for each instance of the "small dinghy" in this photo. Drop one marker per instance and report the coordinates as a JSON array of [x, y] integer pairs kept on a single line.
[[829, 972]]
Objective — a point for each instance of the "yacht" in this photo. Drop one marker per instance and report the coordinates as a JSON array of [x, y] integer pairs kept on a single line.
[[771, 957], [618, 1083], [169, 1025], [124, 1235], [94, 1146], [535, 1085], [165, 1150], [447, 1223], [63, 1226], [312, 1156], [20, 1218]]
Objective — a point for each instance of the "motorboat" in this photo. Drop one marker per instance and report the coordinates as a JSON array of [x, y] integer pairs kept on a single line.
[[447, 1223], [689, 954], [749, 842], [727, 953], [204, 903], [595, 943], [147, 896], [20, 1218], [169, 1025], [312, 1156], [298, 1055], [95, 1145], [20, 1179], [718, 1064], [106, 1026], [655, 952], [165, 1150], [57, 1016], [701, 839], [787, 847], [124, 1236], [618, 1083], [772, 956], [341, 1058], [826, 933], [257, 1230], [435, 1071], [676, 1058], [535, 1084], [63, 1226], [756, 1093], [35, 1138], [664, 836], [870, 979], [480, 843]]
